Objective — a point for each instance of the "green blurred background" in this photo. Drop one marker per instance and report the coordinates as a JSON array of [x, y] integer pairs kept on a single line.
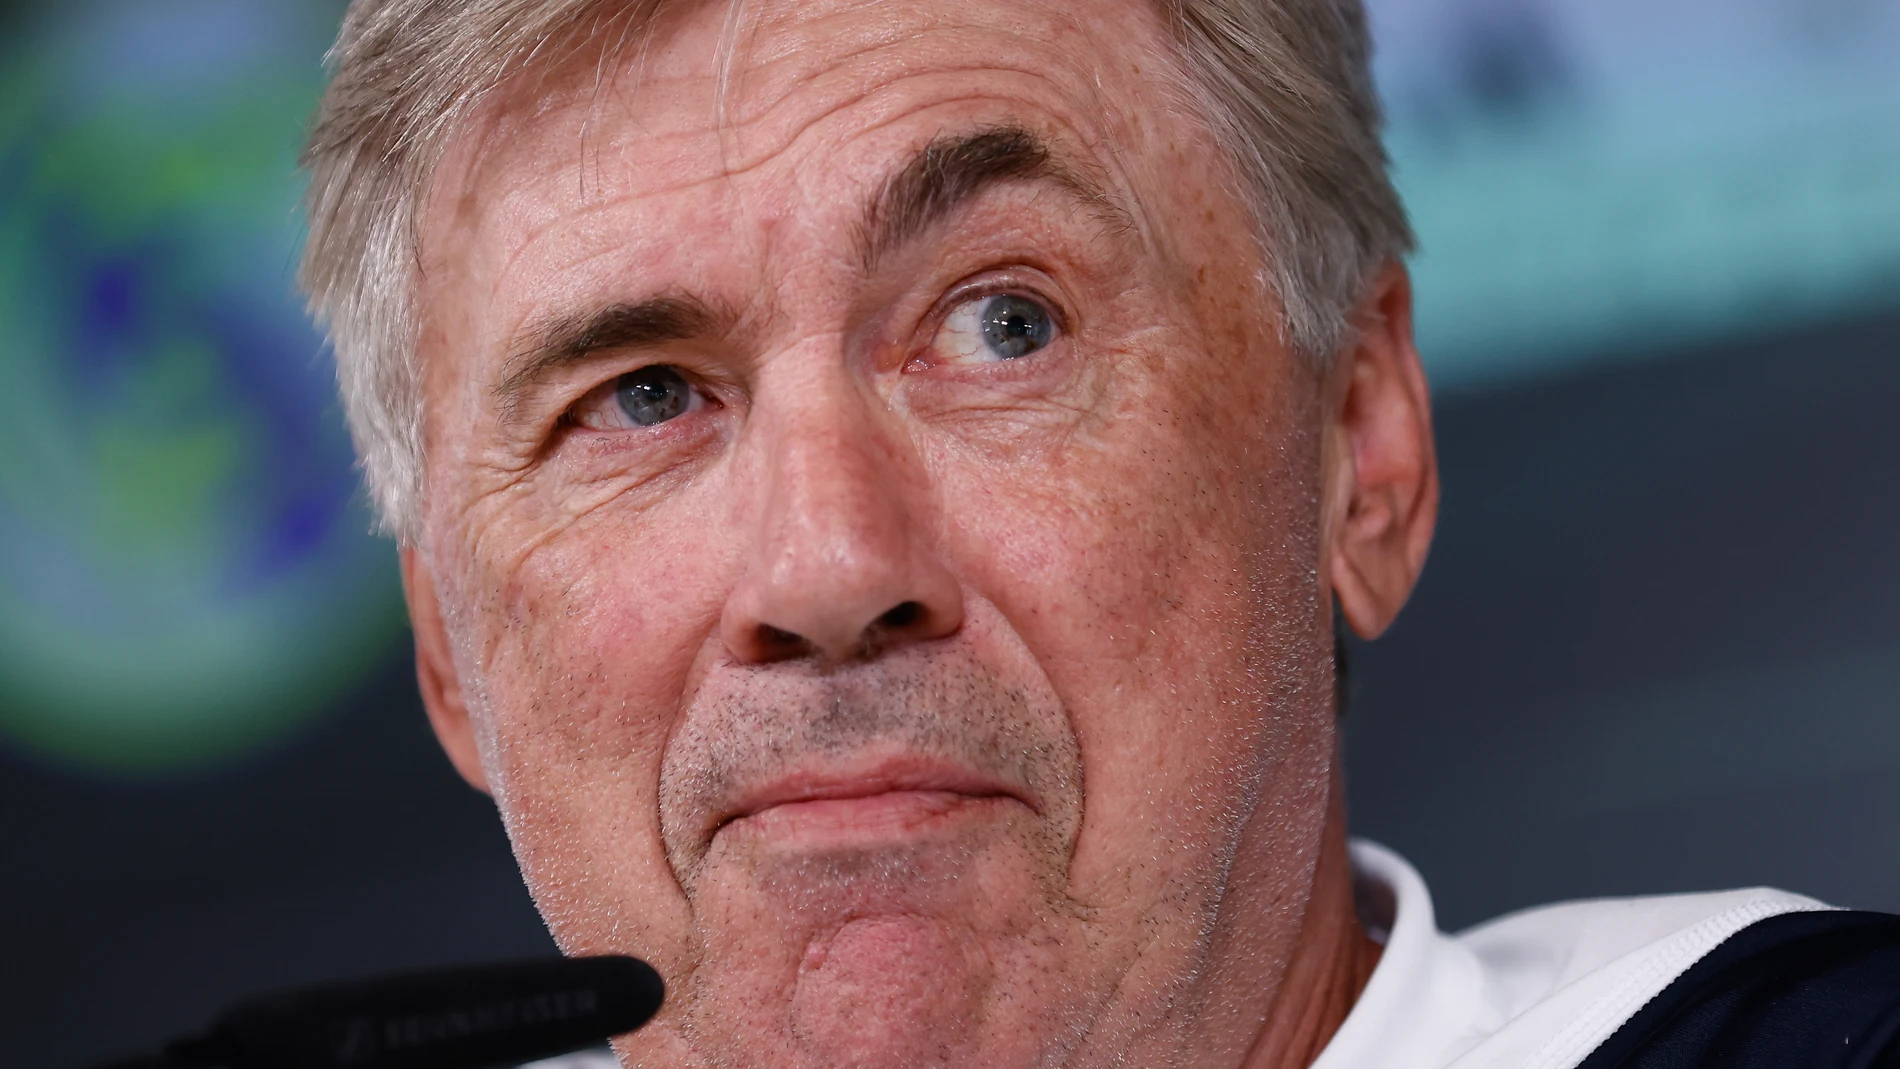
[[185, 575]]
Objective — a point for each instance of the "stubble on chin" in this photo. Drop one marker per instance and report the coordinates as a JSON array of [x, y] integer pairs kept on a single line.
[[952, 946]]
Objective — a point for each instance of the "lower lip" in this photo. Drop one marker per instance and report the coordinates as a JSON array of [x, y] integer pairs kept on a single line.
[[884, 816]]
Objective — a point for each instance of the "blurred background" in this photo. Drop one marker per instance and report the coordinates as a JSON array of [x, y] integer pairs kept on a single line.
[[1657, 646]]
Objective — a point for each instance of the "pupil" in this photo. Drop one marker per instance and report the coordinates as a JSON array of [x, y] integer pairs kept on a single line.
[[1015, 326], [653, 394]]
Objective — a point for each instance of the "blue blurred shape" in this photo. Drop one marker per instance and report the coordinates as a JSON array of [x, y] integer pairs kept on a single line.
[[185, 569]]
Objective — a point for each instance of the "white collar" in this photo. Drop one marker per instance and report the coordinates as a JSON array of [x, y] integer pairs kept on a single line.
[[1539, 989]]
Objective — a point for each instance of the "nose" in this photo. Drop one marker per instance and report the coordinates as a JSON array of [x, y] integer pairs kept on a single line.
[[839, 567]]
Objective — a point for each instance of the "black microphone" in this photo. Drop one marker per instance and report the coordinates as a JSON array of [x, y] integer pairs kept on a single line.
[[467, 1017]]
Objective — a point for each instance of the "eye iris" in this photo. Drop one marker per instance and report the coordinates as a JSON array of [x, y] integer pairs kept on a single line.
[[653, 394], [1015, 326]]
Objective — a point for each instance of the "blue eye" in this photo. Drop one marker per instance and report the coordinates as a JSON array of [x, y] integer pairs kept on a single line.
[[653, 394], [1003, 327], [1015, 326]]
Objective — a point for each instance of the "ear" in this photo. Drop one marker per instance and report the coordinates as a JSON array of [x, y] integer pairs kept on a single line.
[[1381, 498], [435, 671]]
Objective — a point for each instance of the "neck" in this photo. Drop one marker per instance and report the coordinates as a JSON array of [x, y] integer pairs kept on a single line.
[[1329, 967]]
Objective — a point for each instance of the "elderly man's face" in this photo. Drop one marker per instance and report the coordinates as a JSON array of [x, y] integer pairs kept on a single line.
[[878, 536]]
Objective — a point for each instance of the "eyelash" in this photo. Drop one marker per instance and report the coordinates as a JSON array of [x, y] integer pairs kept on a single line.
[[997, 283], [602, 393]]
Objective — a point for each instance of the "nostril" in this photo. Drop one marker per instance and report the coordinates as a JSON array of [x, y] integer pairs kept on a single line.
[[902, 616], [778, 639]]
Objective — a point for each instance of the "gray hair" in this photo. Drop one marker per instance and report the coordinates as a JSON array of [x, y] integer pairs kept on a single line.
[[1285, 84]]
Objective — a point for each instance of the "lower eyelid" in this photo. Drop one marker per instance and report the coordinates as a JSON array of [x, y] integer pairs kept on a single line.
[[659, 445]]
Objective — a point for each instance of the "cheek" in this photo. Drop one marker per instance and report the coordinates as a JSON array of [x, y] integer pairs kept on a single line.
[[588, 640], [1160, 569], [609, 603]]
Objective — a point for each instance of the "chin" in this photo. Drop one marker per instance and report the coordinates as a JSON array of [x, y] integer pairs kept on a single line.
[[939, 952]]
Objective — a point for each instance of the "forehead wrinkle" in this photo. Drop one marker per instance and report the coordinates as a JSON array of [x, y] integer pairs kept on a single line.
[[1096, 179], [1094, 183], [848, 78], [1071, 105], [872, 95], [1085, 176], [540, 93], [1115, 211], [865, 89], [550, 227], [1033, 31], [844, 67], [558, 228], [570, 80]]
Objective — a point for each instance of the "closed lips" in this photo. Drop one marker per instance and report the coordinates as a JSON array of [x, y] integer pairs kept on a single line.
[[957, 782]]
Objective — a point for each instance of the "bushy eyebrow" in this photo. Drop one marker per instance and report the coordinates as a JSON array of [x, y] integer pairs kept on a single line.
[[951, 171]]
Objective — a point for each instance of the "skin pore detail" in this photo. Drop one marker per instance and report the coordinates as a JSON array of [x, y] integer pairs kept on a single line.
[[909, 695]]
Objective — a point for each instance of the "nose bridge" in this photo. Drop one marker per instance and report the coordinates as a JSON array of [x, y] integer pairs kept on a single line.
[[837, 498], [840, 564]]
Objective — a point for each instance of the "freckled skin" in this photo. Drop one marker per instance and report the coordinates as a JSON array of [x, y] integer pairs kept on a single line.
[[1117, 542]]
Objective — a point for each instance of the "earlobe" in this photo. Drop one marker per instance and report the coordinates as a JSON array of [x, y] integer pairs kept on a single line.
[[1382, 469], [435, 672]]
